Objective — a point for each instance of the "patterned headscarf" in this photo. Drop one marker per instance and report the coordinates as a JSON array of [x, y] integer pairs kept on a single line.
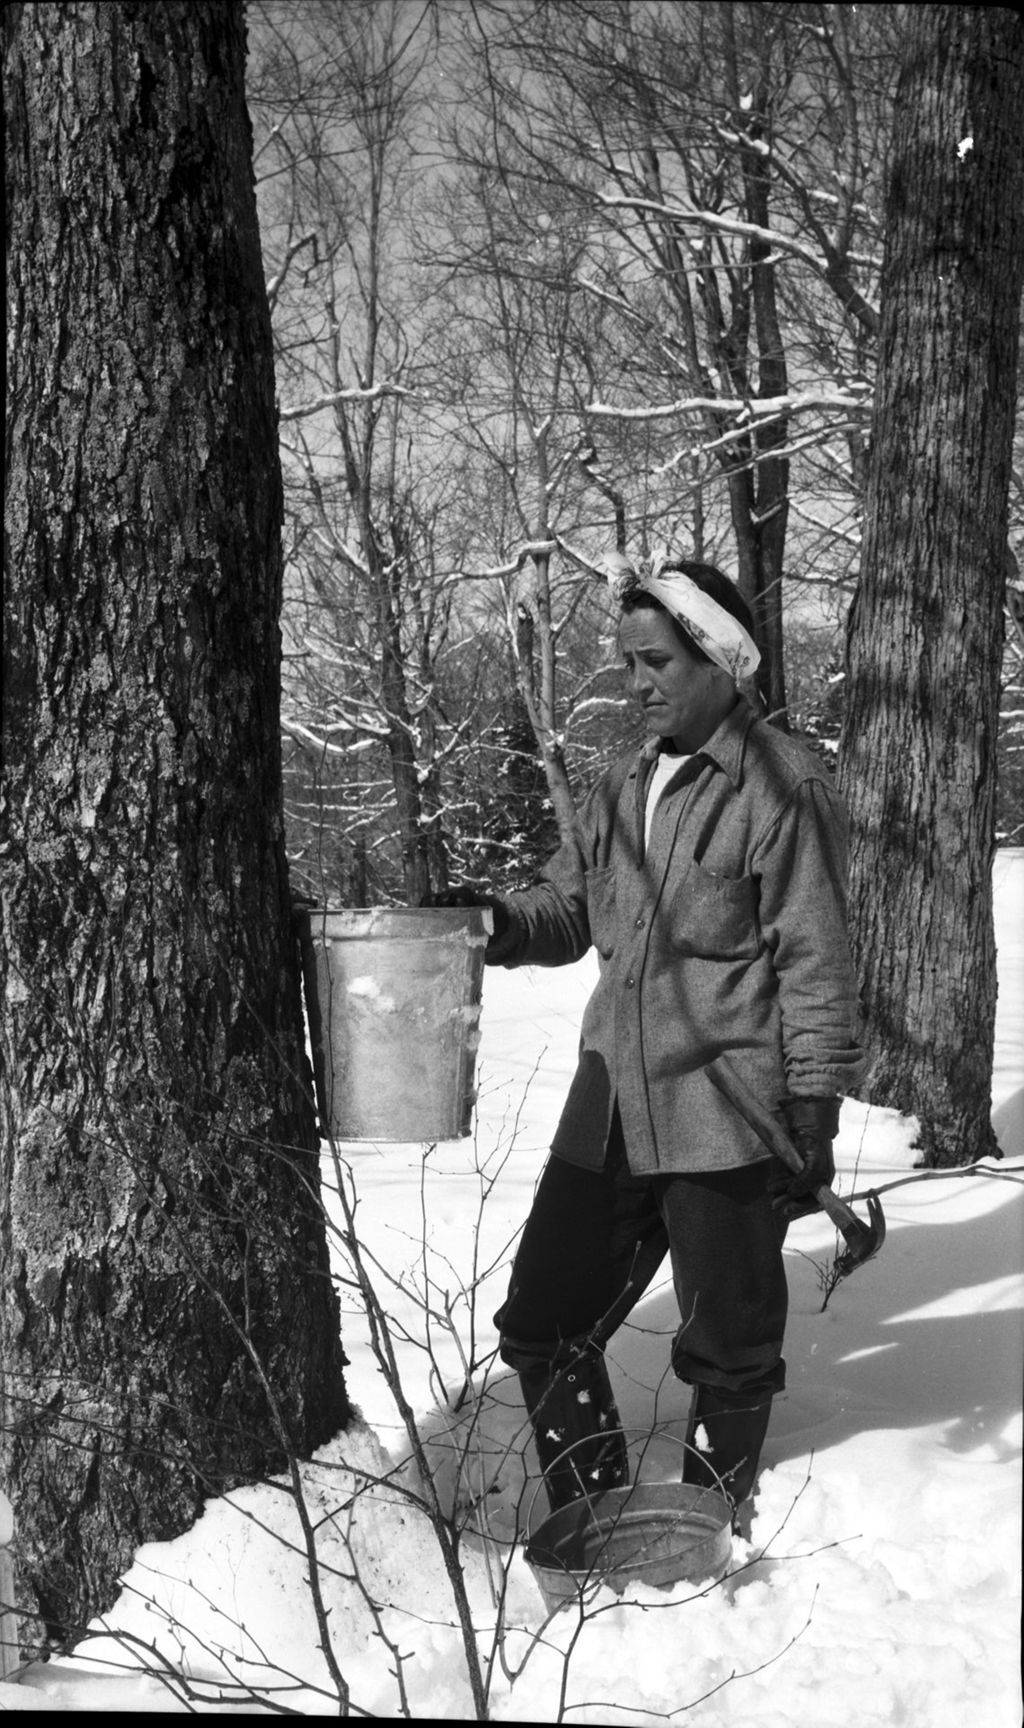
[[722, 637]]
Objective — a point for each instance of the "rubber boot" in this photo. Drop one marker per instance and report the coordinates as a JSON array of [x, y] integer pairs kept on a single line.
[[576, 1427], [734, 1426]]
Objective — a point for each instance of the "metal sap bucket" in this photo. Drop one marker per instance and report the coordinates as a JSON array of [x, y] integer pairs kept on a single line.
[[655, 1533], [393, 1003]]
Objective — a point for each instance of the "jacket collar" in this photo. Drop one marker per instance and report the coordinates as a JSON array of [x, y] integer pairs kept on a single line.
[[726, 747]]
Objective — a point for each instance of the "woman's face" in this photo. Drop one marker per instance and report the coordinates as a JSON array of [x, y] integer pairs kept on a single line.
[[684, 699]]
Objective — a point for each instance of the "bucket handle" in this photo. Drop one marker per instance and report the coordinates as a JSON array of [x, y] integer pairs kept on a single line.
[[587, 1439]]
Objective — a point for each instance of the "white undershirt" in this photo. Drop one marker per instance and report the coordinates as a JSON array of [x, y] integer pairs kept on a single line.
[[666, 766]]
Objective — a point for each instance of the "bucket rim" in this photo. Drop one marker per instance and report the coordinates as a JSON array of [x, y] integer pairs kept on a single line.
[[672, 1498], [427, 919], [427, 912]]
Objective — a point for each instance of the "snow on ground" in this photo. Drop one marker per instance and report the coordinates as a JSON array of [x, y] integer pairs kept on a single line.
[[881, 1580]]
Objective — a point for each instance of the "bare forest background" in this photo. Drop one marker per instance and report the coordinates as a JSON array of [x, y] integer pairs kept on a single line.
[[548, 279], [528, 281], [543, 279]]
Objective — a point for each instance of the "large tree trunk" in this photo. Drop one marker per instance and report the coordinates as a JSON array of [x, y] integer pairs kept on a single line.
[[917, 755], [168, 1325]]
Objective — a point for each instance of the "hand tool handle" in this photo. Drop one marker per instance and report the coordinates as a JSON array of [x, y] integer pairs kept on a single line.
[[772, 1134]]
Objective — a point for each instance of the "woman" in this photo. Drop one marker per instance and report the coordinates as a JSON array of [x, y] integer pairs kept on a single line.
[[708, 871]]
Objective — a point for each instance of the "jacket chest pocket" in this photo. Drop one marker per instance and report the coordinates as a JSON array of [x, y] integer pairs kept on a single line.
[[601, 910], [716, 917]]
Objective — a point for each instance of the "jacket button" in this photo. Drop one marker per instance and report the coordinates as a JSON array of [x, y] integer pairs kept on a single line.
[[630, 983], [640, 923]]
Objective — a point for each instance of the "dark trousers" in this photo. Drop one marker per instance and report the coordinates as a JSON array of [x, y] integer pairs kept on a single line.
[[594, 1240]]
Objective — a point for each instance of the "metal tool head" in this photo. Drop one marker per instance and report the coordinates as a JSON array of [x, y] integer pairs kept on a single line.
[[862, 1240]]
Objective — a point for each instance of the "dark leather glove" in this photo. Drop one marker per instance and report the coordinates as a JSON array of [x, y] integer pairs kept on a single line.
[[472, 894], [813, 1124]]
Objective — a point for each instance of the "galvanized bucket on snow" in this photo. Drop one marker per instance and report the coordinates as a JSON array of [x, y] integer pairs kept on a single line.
[[656, 1533]]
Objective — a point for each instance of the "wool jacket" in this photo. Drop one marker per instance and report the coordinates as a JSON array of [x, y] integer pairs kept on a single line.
[[726, 934]]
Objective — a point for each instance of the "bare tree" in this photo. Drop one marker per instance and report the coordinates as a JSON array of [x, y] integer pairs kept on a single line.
[[510, 258], [168, 1325], [723, 162], [626, 276], [917, 755], [340, 93]]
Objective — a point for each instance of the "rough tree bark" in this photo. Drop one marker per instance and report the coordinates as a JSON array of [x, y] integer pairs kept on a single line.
[[168, 1325], [917, 754]]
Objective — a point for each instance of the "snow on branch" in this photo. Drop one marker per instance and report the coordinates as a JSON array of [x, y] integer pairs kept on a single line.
[[275, 283], [496, 572], [313, 740], [810, 441], [807, 193], [598, 705], [334, 398], [755, 408], [720, 224]]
